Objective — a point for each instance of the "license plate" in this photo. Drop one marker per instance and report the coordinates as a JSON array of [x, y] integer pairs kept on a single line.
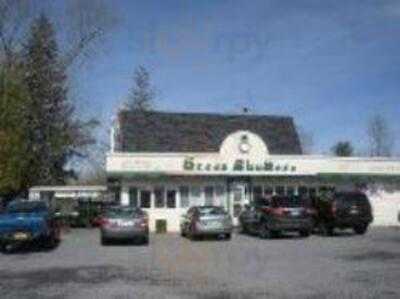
[[214, 224], [353, 211], [21, 236], [127, 223], [295, 213]]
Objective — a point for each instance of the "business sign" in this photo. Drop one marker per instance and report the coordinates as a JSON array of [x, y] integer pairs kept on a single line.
[[238, 165]]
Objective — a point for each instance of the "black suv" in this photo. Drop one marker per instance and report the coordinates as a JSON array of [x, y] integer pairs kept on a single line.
[[342, 210], [269, 217]]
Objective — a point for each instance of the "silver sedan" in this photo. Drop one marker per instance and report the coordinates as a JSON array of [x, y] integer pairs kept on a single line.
[[124, 223], [205, 221]]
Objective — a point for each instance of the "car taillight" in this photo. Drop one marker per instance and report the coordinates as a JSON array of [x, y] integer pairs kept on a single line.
[[310, 211], [104, 222], [144, 222], [267, 210], [278, 211]]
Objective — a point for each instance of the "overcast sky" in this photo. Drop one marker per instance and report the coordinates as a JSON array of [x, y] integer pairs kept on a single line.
[[329, 64]]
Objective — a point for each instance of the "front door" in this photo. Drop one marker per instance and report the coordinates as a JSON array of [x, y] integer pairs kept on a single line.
[[238, 198]]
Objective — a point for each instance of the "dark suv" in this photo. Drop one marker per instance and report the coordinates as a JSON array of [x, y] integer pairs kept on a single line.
[[269, 217], [343, 210]]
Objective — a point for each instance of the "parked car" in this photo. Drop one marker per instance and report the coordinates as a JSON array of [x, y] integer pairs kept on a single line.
[[28, 222], [124, 223], [343, 210], [270, 217], [206, 221]]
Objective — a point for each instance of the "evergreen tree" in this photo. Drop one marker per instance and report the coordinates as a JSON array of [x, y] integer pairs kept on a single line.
[[15, 171], [343, 149], [142, 94], [54, 135]]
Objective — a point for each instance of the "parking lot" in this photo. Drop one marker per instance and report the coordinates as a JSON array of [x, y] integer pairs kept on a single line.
[[344, 266]]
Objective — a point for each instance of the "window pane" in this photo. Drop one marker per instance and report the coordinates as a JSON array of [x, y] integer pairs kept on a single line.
[[195, 196], [133, 197], [184, 191], [219, 195], [280, 190], [209, 195], [219, 191], [171, 199], [116, 193], [195, 191], [145, 199], [303, 190], [290, 190], [257, 193], [268, 190], [312, 191], [159, 197]]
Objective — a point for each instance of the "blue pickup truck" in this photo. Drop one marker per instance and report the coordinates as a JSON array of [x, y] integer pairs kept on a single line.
[[28, 222]]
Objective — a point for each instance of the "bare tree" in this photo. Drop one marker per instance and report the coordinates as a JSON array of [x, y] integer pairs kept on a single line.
[[81, 26], [306, 140], [379, 137], [15, 17], [142, 94]]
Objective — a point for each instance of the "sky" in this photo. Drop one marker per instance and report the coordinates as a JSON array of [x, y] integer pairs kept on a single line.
[[331, 65]]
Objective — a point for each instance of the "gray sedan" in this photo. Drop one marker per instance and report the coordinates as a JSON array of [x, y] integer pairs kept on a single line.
[[206, 220], [124, 223]]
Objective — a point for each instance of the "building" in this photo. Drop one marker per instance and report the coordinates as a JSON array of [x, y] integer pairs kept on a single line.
[[166, 162], [67, 198]]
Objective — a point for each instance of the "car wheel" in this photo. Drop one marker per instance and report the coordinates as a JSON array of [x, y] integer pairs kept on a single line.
[[183, 234], [191, 234], [264, 232], [51, 242], [145, 240], [8, 247], [244, 229], [228, 236], [360, 229], [104, 241], [304, 233]]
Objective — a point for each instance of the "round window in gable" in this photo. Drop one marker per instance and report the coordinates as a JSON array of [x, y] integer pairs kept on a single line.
[[244, 145]]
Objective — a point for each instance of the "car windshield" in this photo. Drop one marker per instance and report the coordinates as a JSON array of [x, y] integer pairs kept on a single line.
[[26, 207], [352, 199], [291, 202], [123, 212], [211, 211]]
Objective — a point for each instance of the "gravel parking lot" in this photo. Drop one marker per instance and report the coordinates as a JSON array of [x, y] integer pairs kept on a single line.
[[344, 266]]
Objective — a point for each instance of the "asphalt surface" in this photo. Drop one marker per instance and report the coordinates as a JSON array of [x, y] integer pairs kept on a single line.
[[344, 266]]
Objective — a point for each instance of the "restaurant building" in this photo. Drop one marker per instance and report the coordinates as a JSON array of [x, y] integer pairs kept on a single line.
[[166, 162]]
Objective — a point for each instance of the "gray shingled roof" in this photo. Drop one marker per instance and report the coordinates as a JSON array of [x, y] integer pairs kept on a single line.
[[201, 132]]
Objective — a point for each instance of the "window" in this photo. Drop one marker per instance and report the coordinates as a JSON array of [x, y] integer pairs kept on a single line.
[[312, 191], [257, 193], [145, 199], [133, 197], [219, 195], [115, 191], [237, 194], [290, 190], [171, 199], [209, 195], [268, 190], [322, 189], [184, 191], [219, 191], [195, 193], [159, 197], [303, 190], [280, 190]]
